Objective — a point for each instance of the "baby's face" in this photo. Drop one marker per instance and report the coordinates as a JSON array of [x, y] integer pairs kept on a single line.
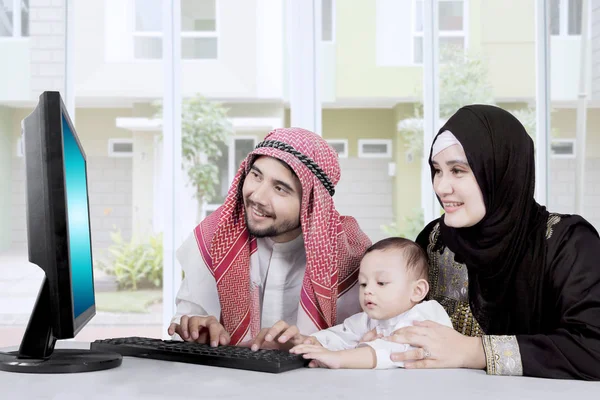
[[386, 286]]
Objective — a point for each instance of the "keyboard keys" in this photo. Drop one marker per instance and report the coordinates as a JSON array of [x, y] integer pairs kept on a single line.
[[274, 361]]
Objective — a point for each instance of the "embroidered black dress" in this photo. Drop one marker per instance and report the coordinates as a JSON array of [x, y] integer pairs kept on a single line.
[[526, 280]]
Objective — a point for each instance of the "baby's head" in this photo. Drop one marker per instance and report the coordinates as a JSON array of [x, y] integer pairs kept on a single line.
[[392, 278]]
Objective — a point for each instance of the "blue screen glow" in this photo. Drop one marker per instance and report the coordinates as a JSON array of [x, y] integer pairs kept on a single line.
[[80, 252]]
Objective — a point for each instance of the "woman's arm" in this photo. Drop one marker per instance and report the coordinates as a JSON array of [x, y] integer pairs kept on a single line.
[[573, 349]]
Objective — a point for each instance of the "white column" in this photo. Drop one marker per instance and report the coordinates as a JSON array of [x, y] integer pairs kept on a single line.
[[70, 58], [542, 99], [431, 104], [16, 6], [172, 174], [304, 19], [582, 110]]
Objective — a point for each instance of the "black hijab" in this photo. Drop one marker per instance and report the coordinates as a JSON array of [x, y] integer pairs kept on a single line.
[[505, 252]]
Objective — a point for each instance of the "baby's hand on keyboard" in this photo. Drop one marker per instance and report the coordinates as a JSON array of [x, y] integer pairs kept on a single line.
[[281, 336], [319, 356], [370, 336], [201, 330]]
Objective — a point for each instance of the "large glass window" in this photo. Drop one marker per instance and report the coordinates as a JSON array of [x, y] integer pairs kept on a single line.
[[574, 161], [14, 18], [372, 112], [198, 29], [451, 25], [565, 17]]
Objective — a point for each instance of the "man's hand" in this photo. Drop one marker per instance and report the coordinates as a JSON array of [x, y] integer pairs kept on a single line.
[[280, 336], [201, 330]]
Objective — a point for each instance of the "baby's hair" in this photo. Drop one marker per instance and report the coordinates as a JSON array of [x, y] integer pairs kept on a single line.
[[416, 260]]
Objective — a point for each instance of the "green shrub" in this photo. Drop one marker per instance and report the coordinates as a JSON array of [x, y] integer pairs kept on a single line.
[[135, 265], [413, 225]]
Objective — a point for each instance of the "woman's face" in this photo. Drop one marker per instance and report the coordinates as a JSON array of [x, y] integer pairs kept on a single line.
[[457, 188]]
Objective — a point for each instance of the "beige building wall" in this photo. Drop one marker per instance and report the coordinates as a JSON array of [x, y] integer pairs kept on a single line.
[[15, 76], [563, 171], [47, 41], [510, 53], [352, 124], [106, 68], [407, 191], [357, 74], [109, 179], [365, 190]]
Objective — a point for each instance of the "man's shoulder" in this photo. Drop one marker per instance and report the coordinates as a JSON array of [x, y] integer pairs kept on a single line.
[[208, 226]]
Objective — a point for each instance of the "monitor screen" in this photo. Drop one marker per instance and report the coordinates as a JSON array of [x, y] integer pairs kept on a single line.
[[78, 222]]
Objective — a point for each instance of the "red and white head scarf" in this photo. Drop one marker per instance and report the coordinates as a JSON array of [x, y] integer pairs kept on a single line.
[[334, 244]]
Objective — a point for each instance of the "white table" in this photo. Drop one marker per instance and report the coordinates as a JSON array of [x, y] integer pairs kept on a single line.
[[151, 379]]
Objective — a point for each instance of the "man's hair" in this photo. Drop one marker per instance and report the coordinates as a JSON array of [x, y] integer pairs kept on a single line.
[[415, 257]]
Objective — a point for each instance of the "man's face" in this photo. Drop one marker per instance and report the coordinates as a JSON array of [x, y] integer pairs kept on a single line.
[[272, 194]]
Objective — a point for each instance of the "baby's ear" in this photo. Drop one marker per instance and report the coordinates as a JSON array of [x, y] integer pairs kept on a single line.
[[420, 290]]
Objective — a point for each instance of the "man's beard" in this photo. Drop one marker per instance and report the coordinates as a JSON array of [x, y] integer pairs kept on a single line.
[[273, 230]]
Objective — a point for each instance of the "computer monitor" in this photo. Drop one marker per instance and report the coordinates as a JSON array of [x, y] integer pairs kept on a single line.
[[59, 242]]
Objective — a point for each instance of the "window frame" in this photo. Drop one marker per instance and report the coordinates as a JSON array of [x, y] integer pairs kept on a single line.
[[564, 12], [363, 142], [333, 19], [571, 156], [113, 154], [441, 33], [17, 20], [343, 154], [184, 35]]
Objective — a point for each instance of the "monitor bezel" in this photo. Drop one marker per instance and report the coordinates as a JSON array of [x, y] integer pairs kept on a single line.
[[54, 255]]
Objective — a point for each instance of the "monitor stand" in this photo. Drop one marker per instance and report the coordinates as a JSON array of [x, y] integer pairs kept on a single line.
[[37, 354]]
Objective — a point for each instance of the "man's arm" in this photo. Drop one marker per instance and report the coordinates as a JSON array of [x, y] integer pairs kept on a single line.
[[197, 295]]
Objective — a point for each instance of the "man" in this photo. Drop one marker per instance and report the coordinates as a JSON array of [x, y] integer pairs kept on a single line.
[[276, 253]]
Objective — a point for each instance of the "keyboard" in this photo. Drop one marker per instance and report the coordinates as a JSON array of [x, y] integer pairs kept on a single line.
[[274, 361]]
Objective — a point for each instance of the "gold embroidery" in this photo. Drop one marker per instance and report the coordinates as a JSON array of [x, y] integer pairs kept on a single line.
[[502, 355], [553, 219], [449, 286], [449, 282]]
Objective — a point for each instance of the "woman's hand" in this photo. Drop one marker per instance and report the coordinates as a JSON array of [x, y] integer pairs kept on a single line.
[[438, 346]]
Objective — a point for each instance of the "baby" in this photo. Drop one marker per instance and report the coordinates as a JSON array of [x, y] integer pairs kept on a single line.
[[393, 284]]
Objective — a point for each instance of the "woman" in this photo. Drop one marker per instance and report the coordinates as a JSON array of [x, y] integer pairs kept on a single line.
[[521, 285]]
